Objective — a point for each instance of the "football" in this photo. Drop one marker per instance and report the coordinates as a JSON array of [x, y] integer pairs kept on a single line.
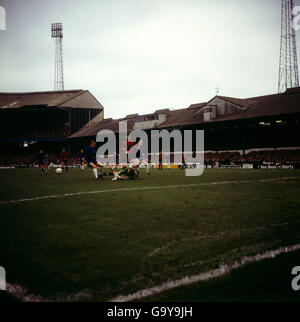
[[59, 171]]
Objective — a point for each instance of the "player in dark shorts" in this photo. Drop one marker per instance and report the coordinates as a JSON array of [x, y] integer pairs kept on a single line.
[[41, 161], [81, 159], [183, 166], [64, 159], [90, 158], [46, 162], [160, 165], [117, 158]]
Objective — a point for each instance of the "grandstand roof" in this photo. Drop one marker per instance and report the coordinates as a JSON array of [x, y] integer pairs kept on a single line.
[[268, 105], [107, 124], [63, 99]]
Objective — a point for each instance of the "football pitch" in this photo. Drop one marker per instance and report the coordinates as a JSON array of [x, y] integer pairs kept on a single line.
[[71, 238]]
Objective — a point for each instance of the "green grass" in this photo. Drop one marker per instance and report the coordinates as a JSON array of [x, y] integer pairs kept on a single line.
[[108, 244], [265, 281]]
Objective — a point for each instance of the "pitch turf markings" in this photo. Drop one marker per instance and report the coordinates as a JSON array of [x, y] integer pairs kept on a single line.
[[143, 188], [188, 280], [162, 249], [23, 295]]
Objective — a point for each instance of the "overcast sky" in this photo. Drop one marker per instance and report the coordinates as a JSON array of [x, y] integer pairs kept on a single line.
[[137, 56]]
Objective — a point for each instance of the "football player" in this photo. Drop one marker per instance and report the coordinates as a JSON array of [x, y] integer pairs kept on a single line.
[[90, 158]]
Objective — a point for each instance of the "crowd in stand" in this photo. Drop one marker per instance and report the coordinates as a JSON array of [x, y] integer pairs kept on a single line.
[[55, 132], [30, 160], [274, 156], [254, 157], [214, 159]]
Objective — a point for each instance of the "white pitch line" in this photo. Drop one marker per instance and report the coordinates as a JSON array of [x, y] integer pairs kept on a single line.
[[23, 295], [188, 280], [73, 194]]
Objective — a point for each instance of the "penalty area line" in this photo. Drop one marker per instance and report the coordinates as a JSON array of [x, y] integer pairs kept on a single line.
[[188, 280], [74, 194]]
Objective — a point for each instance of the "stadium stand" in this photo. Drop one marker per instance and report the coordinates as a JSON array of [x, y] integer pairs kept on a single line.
[[259, 130], [30, 121], [270, 122]]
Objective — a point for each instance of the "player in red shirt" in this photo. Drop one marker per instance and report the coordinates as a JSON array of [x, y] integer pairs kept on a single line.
[[64, 159]]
